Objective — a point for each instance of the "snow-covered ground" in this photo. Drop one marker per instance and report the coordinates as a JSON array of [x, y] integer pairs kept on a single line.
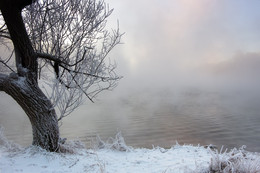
[[114, 156]]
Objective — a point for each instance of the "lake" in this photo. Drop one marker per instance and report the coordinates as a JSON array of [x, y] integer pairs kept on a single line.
[[150, 118]]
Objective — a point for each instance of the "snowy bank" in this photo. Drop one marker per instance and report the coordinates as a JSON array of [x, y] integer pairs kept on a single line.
[[114, 156]]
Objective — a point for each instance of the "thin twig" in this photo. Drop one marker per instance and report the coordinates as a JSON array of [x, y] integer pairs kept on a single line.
[[7, 66]]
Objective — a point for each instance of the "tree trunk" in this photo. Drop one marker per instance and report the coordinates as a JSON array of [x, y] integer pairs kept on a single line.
[[24, 53], [37, 107], [23, 86]]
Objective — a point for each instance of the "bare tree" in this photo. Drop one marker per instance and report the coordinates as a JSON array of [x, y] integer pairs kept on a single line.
[[62, 45]]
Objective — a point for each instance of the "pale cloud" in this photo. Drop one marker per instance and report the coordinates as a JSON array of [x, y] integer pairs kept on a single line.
[[243, 65], [169, 40]]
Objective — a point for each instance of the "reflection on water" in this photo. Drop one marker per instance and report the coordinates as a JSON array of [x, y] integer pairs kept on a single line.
[[162, 118]]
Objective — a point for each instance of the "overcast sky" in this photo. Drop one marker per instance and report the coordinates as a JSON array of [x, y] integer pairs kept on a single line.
[[181, 41]]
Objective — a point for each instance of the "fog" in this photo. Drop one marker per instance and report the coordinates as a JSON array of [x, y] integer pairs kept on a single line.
[[176, 43]]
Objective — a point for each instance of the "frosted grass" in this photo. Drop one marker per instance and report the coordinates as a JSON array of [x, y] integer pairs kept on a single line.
[[113, 155]]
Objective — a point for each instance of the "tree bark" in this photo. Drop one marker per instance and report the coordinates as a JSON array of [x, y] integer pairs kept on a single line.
[[25, 55], [37, 107], [23, 86]]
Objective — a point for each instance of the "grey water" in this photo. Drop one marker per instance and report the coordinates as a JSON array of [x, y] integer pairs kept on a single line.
[[150, 118]]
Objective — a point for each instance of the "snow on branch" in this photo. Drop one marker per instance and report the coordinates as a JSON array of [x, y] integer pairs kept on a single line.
[[73, 44]]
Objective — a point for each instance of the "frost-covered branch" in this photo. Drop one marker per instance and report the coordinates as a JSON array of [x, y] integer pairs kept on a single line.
[[72, 42], [6, 65], [65, 65], [4, 34]]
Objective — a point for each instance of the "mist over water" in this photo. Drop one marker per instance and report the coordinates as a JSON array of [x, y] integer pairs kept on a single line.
[[156, 117], [162, 117]]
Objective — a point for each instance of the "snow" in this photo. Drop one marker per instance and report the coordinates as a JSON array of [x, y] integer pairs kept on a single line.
[[114, 156], [176, 159]]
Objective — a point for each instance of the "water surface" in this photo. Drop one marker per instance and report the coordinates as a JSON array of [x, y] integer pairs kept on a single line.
[[149, 118]]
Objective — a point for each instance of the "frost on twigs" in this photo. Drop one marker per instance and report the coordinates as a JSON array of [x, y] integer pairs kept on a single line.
[[117, 143], [237, 160], [72, 147], [7, 145], [73, 46]]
